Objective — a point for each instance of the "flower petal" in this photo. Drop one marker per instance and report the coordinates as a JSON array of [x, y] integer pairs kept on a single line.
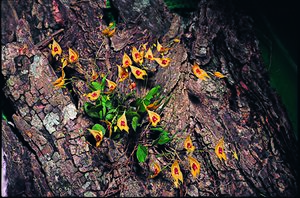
[[122, 123], [188, 144], [126, 61], [219, 75], [164, 62], [219, 150], [122, 73], [176, 173], [153, 117], [149, 54], [111, 85], [73, 56], [200, 73], [137, 72], [195, 166], [94, 95], [98, 135], [55, 48], [155, 168]]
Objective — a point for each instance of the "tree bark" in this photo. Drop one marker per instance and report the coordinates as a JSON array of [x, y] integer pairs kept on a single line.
[[47, 151]]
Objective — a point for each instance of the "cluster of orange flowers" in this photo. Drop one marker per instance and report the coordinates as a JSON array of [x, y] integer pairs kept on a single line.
[[56, 52], [138, 58], [194, 164]]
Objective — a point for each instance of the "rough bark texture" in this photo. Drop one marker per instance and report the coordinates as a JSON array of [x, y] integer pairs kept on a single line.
[[47, 151]]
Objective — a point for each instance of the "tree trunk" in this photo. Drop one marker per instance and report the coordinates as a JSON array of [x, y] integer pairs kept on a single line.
[[47, 151]]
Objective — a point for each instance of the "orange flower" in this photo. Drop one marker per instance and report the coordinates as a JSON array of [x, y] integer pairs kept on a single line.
[[110, 30], [153, 117], [111, 85], [200, 73], [188, 144], [164, 62], [137, 56], [138, 73], [219, 75], [122, 123], [60, 82], [132, 85], [94, 75], [155, 168], [176, 173], [219, 150], [153, 105], [73, 56], [160, 48], [97, 135], [149, 54], [195, 166], [122, 73], [94, 95], [55, 48], [126, 61]]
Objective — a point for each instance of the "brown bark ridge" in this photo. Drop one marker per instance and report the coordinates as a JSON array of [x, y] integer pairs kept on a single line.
[[47, 152]]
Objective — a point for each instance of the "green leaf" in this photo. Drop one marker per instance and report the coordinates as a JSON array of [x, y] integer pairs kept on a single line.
[[130, 114], [141, 153], [91, 110], [152, 92], [100, 114], [99, 127], [95, 86], [109, 116], [157, 129], [134, 122], [164, 138]]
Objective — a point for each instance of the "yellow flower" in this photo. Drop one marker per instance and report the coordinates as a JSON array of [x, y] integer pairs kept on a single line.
[[200, 73], [73, 56], [195, 166], [155, 168], [144, 46], [94, 95], [176, 173], [111, 85], [138, 73], [109, 127], [176, 40], [219, 75], [97, 135], [164, 62], [122, 123], [153, 117], [188, 144], [160, 48], [219, 150], [94, 75], [149, 54], [55, 48], [64, 62], [126, 61], [122, 73], [137, 56], [60, 82]]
